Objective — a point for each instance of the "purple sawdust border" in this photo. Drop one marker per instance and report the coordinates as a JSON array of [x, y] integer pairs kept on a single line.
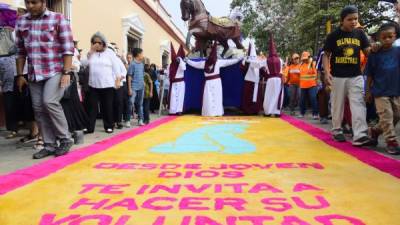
[[28, 175], [372, 158]]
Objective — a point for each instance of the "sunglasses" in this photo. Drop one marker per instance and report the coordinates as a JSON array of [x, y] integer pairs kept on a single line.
[[100, 43], [297, 58]]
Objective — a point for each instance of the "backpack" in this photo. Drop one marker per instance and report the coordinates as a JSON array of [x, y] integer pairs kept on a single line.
[[7, 44]]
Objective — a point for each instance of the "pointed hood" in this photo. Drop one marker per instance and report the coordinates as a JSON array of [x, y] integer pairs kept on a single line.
[[181, 52], [173, 68], [212, 59], [273, 60]]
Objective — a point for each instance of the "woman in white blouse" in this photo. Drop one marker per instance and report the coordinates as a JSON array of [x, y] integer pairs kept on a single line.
[[104, 76]]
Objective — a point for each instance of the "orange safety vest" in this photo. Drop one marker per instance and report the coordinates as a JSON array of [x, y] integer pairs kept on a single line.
[[308, 75], [294, 74]]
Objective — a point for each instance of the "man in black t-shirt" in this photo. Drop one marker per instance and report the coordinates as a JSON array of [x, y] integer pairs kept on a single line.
[[342, 65]]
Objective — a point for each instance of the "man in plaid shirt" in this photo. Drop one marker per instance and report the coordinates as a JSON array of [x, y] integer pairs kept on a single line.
[[45, 39]]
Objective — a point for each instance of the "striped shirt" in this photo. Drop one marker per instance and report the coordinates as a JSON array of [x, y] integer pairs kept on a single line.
[[44, 41]]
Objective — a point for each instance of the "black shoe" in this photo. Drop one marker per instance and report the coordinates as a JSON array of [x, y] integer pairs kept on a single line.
[[339, 137], [42, 154], [65, 146], [120, 126], [363, 142]]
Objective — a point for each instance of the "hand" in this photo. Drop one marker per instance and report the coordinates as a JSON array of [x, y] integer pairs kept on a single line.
[[328, 79], [65, 81], [21, 83], [130, 92], [117, 84]]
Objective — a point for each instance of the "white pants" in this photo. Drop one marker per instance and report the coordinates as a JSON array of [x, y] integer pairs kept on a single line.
[[353, 88]]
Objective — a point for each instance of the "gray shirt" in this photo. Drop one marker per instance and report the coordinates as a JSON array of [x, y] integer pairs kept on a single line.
[[136, 71]]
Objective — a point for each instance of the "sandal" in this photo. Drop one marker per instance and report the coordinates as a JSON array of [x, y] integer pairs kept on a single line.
[[39, 144], [29, 138], [12, 135]]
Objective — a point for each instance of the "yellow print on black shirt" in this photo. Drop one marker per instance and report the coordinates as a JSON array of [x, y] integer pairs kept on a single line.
[[349, 56]]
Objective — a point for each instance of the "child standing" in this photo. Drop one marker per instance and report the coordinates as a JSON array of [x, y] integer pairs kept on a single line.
[[383, 72], [148, 94], [342, 67], [136, 84]]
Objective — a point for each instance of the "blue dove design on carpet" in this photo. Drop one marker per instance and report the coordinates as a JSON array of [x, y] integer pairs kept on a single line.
[[222, 138]]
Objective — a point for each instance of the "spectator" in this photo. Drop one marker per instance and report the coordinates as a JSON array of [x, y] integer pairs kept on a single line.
[[384, 84], [127, 108], [104, 76], [308, 85], [119, 92], [136, 83], [293, 80], [155, 100], [148, 94], [323, 92], [342, 54], [45, 38]]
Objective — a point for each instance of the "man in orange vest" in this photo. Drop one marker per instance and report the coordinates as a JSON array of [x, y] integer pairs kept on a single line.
[[308, 85]]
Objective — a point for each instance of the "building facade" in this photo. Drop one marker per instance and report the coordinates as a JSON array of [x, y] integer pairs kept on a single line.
[[128, 23]]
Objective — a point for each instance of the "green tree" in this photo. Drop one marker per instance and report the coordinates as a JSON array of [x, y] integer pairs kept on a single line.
[[299, 25]]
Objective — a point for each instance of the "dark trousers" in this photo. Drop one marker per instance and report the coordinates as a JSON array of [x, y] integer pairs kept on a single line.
[[118, 104], [323, 103], [10, 109], [105, 97], [126, 102], [311, 93], [146, 109]]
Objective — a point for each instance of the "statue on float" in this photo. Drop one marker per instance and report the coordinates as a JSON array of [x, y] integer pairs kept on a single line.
[[206, 28]]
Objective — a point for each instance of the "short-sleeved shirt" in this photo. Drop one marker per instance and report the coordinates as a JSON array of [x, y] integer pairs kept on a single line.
[[345, 48], [147, 85], [384, 68], [44, 41], [136, 71]]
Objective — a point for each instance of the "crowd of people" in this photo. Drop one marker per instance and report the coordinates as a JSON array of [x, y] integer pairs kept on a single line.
[[51, 87], [59, 93], [354, 80]]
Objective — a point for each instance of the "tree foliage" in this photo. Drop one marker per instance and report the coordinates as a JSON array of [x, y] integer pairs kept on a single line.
[[299, 25]]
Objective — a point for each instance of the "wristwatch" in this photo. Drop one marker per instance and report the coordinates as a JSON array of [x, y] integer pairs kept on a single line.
[[67, 72]]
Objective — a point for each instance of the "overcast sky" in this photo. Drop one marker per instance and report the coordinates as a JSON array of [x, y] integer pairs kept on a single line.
[[215, 7]]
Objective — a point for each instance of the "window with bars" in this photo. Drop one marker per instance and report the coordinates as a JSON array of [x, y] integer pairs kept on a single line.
[[60, 6]]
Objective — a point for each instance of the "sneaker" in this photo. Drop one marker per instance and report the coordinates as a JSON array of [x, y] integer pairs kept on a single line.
[[140, 123], [120, 126], [315, 117], [339, 137], [324, 121], [128, 124], [393, 148], [42, 154], [300, 116], [374, 134], [109, 131], [363, 142], [65, 146]]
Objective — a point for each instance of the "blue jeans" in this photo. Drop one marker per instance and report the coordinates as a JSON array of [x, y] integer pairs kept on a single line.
[[137, 101], [311, 93]]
